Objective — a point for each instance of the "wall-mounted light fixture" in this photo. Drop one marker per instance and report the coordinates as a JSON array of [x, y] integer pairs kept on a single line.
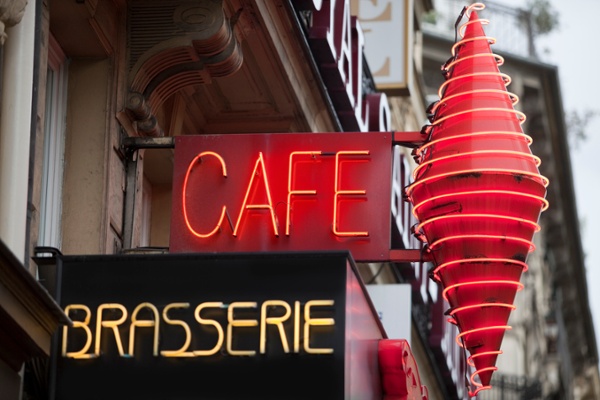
[[477, 194]]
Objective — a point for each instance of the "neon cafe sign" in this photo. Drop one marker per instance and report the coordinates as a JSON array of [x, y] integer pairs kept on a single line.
[[283, 192], [295, 191]]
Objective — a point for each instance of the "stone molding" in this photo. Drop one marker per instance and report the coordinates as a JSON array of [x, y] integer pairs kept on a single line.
[[11, 13], [203, 47]]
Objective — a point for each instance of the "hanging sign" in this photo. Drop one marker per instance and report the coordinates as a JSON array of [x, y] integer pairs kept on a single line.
[[382, 20], [283, 192]]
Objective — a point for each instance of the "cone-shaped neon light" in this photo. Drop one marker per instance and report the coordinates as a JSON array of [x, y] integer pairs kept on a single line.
[[477, 194]]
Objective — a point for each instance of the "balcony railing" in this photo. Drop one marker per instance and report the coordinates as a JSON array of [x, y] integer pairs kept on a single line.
[[512, 387], [514, 26]]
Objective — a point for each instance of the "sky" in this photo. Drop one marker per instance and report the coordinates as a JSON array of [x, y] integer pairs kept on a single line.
[[574, 48]]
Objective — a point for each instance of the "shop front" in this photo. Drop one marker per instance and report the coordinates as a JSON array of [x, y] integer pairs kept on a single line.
[[259, 296]]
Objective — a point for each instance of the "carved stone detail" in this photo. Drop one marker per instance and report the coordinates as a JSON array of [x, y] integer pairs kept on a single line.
[[193, 43], [11, 13], [144, 122]]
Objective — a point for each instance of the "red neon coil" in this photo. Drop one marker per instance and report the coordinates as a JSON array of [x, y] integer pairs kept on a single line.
[[506, 80], [522, 264], [448, 66], [481, 140], [519, 285], [470, 135], [498, 238], [487, 313], [536, 160], [460, 336], [437, 243], [463, 27], [519, 114], [420, 227], [544, 181], [475, 46], [477, 195], [483, 354], [513, 97], [489, 39], [543, 201], [479, 389], [491, 102], [453, 311], [479, 386]]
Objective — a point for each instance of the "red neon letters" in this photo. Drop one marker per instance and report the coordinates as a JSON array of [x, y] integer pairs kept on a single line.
[[287, 192], [246, 206]]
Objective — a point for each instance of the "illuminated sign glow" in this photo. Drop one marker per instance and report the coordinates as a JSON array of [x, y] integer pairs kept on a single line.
[[283, 192], [218, 326], [270, 316], [478, 195]]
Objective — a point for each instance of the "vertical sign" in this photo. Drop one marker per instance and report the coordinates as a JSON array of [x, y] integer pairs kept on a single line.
[[387, 27], [283, 192]]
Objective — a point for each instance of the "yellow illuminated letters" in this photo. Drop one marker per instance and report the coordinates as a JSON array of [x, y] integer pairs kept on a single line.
[[211, 322], [277, 321], [182, 352], [233, 322], [309, 321], [112, 324], [147, 323], [78, 325], [274, 317]]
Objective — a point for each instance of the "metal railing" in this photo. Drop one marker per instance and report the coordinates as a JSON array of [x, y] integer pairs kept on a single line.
[[512, 387], [513, 25]]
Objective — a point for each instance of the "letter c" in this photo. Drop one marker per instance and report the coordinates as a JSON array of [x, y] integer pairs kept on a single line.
[[185, 182]]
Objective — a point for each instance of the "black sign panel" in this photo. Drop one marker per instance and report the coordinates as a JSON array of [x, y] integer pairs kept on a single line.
[[246, 317]]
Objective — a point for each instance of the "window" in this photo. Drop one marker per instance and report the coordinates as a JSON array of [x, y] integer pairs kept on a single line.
[[54, 135]]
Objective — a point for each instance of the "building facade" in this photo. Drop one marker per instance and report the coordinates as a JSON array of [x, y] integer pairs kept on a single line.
[[95, 94]]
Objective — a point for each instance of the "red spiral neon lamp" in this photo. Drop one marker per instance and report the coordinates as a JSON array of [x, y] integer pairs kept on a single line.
[[477, 194]]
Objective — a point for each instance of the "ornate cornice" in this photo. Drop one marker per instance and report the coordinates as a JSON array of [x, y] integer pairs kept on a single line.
[[179, 45]]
